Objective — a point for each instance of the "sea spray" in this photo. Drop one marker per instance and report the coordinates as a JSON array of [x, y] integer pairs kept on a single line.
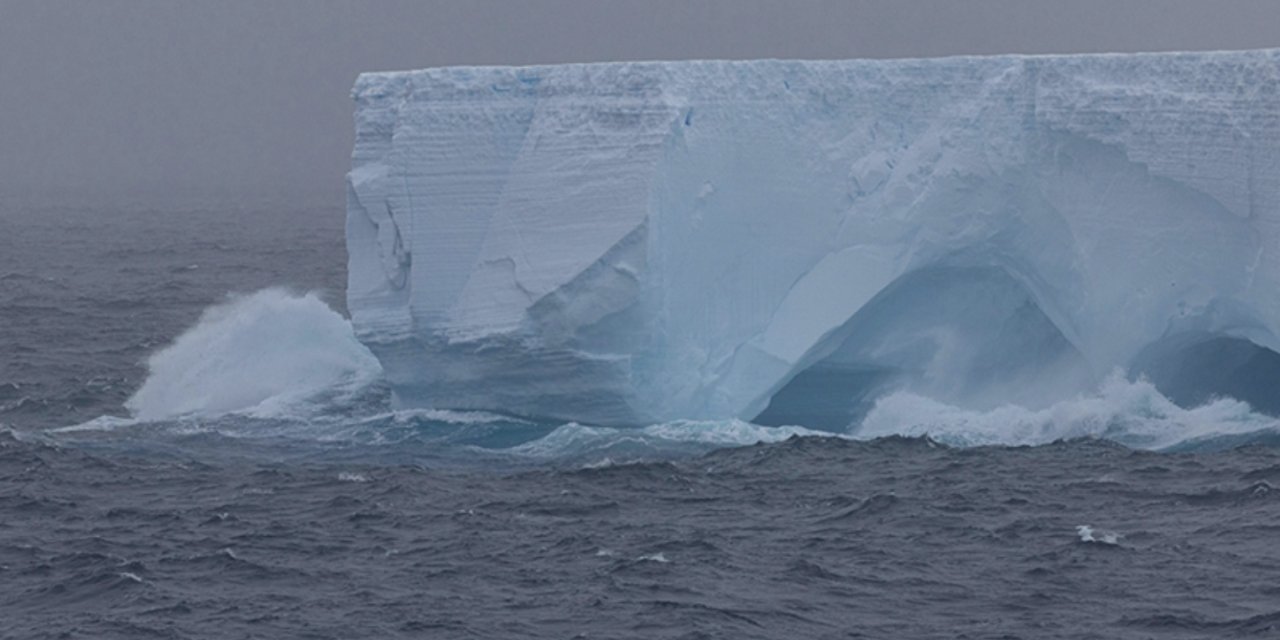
[[271, 347], [1131, 412]]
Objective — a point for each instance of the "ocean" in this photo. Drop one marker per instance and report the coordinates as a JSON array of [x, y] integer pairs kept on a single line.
[[193, 445]]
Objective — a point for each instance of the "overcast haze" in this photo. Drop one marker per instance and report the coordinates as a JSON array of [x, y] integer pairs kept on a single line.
[[251, 99]]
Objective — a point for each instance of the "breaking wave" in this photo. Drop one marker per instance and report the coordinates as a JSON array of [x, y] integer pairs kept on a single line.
[[1131, 412], [263, 352]]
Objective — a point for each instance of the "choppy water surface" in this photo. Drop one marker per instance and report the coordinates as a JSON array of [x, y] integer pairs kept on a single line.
[[808, 538], [179, 462]]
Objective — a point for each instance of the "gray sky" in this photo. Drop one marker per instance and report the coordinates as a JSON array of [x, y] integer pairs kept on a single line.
[[251, 97]]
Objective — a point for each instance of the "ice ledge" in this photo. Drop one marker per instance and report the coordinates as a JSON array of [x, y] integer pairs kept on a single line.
[[626, 242]]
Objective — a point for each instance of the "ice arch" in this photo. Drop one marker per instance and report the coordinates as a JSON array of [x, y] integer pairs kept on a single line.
[[636, 242], [970, 336]]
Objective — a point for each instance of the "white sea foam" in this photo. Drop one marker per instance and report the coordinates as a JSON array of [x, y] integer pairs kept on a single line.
[[100, 423], [577, 439], [1088, 534], [1131, 412], [447, 416]]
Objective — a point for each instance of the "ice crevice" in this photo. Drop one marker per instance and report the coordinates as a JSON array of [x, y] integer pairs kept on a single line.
[[785, 241]]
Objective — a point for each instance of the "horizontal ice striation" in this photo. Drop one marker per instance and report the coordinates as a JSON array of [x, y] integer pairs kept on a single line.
[[629, 243]]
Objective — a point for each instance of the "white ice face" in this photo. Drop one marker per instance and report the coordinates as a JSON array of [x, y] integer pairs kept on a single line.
[[627, 243]]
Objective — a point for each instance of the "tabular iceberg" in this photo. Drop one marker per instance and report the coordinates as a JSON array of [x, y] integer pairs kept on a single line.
[[628, 243]]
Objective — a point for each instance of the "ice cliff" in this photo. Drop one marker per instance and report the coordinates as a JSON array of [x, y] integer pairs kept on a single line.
[[627, 243]]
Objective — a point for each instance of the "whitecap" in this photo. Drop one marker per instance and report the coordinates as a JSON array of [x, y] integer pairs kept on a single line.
[[1088, 534]]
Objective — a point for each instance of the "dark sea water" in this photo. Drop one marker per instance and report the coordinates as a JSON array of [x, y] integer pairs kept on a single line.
[[192, 445]]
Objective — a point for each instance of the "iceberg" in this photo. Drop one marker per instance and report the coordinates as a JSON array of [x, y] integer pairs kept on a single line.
[[631, 243]]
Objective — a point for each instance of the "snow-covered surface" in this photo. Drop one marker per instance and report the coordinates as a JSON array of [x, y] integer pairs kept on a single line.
[[631, 243]]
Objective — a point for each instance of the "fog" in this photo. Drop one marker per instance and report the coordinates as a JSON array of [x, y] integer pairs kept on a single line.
[[249, 99]]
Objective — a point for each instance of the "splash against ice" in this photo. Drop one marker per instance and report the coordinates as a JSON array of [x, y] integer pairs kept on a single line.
[[261, 351]]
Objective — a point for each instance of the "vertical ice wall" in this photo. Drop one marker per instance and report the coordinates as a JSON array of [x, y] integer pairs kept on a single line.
[[628, 242]]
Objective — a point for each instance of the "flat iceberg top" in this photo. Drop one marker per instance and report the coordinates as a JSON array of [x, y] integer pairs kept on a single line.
[[619, 243], [609, 78]]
